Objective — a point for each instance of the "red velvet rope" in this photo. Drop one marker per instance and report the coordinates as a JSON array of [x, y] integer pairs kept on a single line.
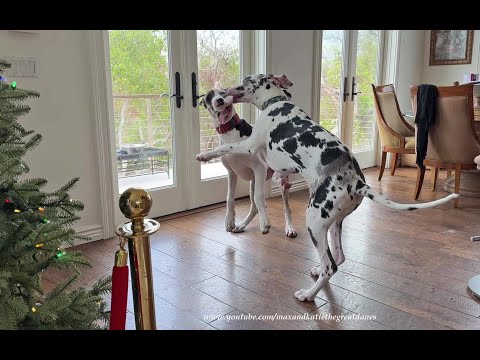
[[118, 312]]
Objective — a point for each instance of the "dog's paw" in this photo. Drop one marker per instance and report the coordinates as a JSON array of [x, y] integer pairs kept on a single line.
[[239, 228], [290, 232], [315, 271], [230, 223], [201, 157], [265, 229], [204, 156], [304, 295], [265, 225]]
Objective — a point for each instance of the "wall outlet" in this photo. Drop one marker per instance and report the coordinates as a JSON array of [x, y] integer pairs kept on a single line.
[[22, 66]]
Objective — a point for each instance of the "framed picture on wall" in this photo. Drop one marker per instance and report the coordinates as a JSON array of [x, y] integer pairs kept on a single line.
[[451, 47]]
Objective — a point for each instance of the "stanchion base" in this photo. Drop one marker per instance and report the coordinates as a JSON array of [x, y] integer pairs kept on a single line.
[[474, 285]]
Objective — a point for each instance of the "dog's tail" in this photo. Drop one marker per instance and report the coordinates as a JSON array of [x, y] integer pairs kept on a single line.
[[365, 190]]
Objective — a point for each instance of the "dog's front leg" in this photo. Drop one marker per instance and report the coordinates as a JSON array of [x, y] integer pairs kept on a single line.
[[230, 216], [259, 197], [289, 229], [249, 146]]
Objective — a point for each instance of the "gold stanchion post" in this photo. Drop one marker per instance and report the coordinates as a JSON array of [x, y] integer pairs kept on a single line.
[[135, 204]]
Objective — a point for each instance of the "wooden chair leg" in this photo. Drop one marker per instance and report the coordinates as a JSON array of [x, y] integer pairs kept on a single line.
[[449, 173], [382, 166], [394, 165], [458, 172], [420, 176], [433, 177]]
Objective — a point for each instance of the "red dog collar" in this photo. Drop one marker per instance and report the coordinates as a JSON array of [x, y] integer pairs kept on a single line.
[[224, 128]]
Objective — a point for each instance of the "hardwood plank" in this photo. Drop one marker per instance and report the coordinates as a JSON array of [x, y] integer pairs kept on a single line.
[[427, 310], [178, 269], [170, 317], [268, 253], [280, 274], [409, 271], [177, 237], [251, 303], [338, 318], [387, 315], [187, 298], [429, 293], [261, 285], [453, 272]]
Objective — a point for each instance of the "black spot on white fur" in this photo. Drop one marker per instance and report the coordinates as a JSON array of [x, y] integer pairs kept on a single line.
[[307, 139], [283, 110], [331, 154], [290, 145], [315, 242], [360, 185], [325, 213], [297, 159], [283, 131], [321, 193], [334, 266], [328, 205], [244, 128]]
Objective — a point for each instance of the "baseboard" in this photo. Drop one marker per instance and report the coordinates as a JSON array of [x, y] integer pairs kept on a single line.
[[95, 232], [297, 185]]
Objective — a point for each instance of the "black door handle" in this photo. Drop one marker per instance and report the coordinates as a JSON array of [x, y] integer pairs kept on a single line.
[[195, 97], [178, 96], [353, 89], [345, 94]]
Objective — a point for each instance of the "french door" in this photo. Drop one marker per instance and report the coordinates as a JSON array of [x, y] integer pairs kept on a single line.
[[351, 62], [157, 78]]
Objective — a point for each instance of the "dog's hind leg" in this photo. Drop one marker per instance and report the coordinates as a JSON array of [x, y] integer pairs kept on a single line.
[[251, 214], [230, 215], [259, 197], [335, 232], [318, 222], [289, 230]]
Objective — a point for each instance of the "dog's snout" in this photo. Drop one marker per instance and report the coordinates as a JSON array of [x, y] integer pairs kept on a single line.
[[220, 102]]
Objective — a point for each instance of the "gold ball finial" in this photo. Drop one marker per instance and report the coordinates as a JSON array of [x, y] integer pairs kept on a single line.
[[135, 203]]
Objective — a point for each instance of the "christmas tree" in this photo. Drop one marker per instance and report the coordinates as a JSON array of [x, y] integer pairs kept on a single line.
[[34, 225]]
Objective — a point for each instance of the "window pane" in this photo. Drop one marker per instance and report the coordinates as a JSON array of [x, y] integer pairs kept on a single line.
[[218, 66], [141, 104]]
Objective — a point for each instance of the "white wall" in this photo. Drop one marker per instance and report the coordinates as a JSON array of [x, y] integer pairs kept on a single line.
[[410, 65], [291, 53], [446, 75], [63, 114]]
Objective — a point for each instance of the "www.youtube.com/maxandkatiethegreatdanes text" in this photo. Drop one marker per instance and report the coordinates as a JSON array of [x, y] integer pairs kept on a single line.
[[276, 316]]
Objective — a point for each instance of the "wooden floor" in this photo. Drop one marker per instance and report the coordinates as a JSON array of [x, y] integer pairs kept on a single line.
[[408, 269]]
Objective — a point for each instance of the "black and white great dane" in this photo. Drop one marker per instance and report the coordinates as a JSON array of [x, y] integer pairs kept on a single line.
[[292, 142], [232, 129]]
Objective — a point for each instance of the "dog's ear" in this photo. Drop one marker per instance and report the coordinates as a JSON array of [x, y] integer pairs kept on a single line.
[[280, 80]]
